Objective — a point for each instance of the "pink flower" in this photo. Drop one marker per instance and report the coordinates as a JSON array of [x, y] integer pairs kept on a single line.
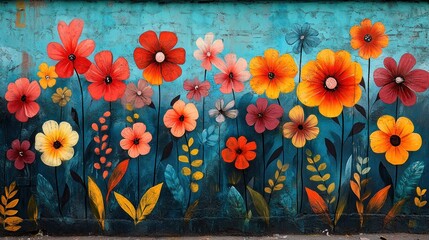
[[140, 95], [20, 153], [208, 50], [263, 116], [196, 89], [233, 74], [136, 140], [21, 96]]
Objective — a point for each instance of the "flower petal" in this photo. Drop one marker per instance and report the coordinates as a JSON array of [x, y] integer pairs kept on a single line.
[[85, 48], [149, 41], [167, 40], [380, 142], [397, 155], [152, 74], [411, 142], [170, 71], [386, 124]]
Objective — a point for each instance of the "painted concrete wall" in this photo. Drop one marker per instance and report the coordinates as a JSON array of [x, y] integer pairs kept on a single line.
[[121, 166]]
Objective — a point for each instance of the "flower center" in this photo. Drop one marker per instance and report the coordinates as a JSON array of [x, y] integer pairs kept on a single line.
[[208, 54], [239, 151], [108, 80], [23, 98], [196, 87], [72, 57], [63, 96], [300, 127], [47, 77], [260, 115], [302, 37], [271, 75], [139, 93], [136, 141], [331, 83], [399, 80], [21, 153], [182, 118], [367, 38], [231, 75], [395, 140], [57, 144], [160, 57]]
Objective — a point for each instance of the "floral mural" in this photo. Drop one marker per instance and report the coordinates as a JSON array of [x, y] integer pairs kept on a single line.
[[127, 123]]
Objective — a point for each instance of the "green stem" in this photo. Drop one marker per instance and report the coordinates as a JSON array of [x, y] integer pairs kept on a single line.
[[341, 161], [220, 163], [157, 135], [263, 158], [190, 175], [236, 119], [58, 192], [245, 191]]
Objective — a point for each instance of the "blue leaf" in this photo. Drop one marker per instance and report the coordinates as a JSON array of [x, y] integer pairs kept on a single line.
[[236, 208], [46, 197], [174, 185], [409, 181]]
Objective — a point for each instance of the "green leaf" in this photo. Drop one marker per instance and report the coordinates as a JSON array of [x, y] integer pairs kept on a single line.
[[260, 204]]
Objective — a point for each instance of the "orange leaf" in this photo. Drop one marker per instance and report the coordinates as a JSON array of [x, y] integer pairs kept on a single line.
[[102, 160], [355, 188], [106, 114], [97, 151], [116, 176], [104, 146], [104, 127], [104, 138], [97, 139], [395, 210], [318, 205], [108, 151], [102, 120], [97, 166], [378, 200], [94, 127]]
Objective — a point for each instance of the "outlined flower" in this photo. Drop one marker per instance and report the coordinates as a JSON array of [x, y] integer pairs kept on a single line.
[[158, 58], [369, 39], [401, 80], [20, 154], [395, 138], [330, 82], [300, 130], [21, 96], [208, 50], [136, 140], [71, 56], [140, 95], [107, 77], [263, 116], [240, 151], [56, 142], [61, 96], [221, 111], [196, 89], [303, 38], [183, 117], [232, 74], [47, 75], [272, 73]]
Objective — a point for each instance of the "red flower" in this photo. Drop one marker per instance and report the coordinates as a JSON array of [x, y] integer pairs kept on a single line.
[[21, 154], [239, 151], [158, 58], [21, 97], [263, 116], [400, 80], [196, 89], [72, 56], [107, 78]]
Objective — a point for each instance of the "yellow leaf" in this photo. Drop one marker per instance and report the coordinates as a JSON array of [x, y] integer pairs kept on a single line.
[[126, 205], [130, 119], [194, 187], [186, 171], [148, 202], [12, 204], [423, 203], [11, 212], [357, 178], [326, 177], [267, 190], [417, 201], [2, 211], [316, 158], [311, 168], [276, 174], [32, 210], [270, 182], [281, 179], [395, 210], [190, 211], [12, 194], [260, 205], [183, 158], [12, 228], [197, 163], [185, 148], [308, 152], [12, 186], [332, 200], [322, 167], [197, 175], [13, 220], [419, 191], [278, 187], [355, 188], [321, 187], [96, 201], [285, 167], [423, 192], [3, 200], [194, 152], [342, 203], [316, 178], [310, 160], [331, 188], [279, 164], [190, 142]]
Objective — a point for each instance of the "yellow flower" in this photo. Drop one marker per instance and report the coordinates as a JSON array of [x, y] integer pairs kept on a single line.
[[56, 142], [47, 75], [62, 96]]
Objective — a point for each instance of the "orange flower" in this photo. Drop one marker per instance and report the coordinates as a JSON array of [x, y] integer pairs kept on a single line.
[[272, 74], [239, 151], [136, 140], [300, 129], [369, 39], [395, 139], [183, 117], [330, 82]]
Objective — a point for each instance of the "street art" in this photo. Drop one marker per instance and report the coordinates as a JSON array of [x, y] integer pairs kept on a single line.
[[196, 118]]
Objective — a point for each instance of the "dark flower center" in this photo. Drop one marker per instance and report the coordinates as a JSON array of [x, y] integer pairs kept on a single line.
[[47, 77], [21, 153], [182, 118], [57, 144], [331, 83], [271, 75], [300, 127], [108, 80], [24, 98], [72, 57], [260, 115], [136, 141], [367, 38], [231, 75], [399, 80], [239, 151], [395, 140]]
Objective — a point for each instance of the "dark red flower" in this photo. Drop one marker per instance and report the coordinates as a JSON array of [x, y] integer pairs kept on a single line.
[[263, 116], [21, 154]]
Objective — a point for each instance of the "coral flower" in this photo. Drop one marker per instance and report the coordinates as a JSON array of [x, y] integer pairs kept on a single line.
[[369, 39], [21, 96], [208, 50], [140, 95], [136, 140], [330, 82], [300, 129], [158, 58], [107, 77], [272, 73], [20, 153], [222, 111], [183, 117], [62, 96], [72, 56], [56, 142], [395, 138], [196, 89], [263, 116], [233, 74], [240, 151], [401, 80], [47, 75]]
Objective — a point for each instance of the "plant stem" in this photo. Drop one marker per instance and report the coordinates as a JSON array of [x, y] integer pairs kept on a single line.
[[298, 204], [220, 163], [61, 114], [302, 178], [245, 191], [341, 160], [263, 158], [58, 192], [283, 139], [368, 113], [157, 135], [190, 167], [236, 119], [138, 178], [396, 118], [300, 63]]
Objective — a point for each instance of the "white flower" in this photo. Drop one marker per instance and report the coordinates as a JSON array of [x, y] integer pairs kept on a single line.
[[220, 112]]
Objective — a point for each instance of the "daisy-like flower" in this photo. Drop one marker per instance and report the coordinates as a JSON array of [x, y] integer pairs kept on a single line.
[[140, 95], [56, 142], [20, 154], [395, 138], [233, 74], [183, 117], [136, 140], [240, 151], [61, 96], [220, 111], [21, 99], [401, 80], [263, 116], [369, 39], [196, 89], [300, 129], [208, 50], [303, 38], [47, 75]]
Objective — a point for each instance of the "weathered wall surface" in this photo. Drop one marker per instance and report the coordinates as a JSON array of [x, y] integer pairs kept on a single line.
[[341, 146]]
